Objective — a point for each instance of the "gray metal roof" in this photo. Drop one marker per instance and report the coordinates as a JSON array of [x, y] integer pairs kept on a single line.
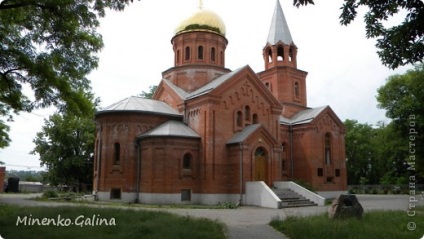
[[279, 30], [213, 84], [138, 104], [171, 128], [303, 117], [182, 93], [244, 134]]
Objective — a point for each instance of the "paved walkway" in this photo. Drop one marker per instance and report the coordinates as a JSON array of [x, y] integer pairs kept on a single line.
[[247, 222]]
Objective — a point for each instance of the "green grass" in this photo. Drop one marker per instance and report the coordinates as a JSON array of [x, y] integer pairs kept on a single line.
[[128, 224], [375, 224]]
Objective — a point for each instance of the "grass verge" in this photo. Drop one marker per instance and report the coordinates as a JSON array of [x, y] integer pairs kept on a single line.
[[85, 223], [374, 224]]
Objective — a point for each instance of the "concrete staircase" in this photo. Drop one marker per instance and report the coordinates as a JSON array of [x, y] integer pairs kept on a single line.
[[290, 198]]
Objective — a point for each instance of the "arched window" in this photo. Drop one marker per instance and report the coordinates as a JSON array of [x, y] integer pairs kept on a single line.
[[239, 118], [269, 55], [200, 52], [280, 53], [327, 149], [291, 54], [296, 89], [178, 56], [117, 153], [187, 161], [255, 119], [187, 53], [213, 54], [222, 58], [247, 112]]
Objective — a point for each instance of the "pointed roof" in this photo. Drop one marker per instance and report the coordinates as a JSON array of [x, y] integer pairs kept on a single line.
[[171, 128], [279, 30]]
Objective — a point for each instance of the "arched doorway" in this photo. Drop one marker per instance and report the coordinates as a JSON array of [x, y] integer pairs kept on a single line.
[[260, 172]]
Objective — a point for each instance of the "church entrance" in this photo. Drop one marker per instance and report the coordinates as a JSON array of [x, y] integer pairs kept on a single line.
[[260, 165]]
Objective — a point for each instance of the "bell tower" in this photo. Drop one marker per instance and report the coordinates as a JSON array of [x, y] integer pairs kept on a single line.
[[281, 76]]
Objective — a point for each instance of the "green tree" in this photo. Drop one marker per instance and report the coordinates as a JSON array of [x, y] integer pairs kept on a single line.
[[149, 94], [403, 99], [66, 148], [48, 46], [398, 45], [359, 151]]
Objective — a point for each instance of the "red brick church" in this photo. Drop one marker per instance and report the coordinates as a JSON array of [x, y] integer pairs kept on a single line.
[[208, 130]]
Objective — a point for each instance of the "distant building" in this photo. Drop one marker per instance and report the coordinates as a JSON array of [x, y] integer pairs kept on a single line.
[[31, 187], [209, 130]]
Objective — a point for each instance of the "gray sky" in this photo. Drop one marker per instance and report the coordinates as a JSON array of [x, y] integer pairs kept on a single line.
[[343, 68]]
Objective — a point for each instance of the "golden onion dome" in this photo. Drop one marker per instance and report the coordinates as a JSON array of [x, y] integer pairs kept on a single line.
[[203, 20]]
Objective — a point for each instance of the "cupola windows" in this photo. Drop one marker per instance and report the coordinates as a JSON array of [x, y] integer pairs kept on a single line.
[[213, 53], [200, 52], [187, 53]]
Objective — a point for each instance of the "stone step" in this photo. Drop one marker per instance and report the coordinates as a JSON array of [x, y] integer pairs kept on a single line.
[[290, 198]]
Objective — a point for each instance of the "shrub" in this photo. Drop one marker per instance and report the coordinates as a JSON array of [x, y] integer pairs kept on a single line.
[[50, 194]]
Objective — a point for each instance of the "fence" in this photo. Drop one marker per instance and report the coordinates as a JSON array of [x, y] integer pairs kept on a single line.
[[386, 189]]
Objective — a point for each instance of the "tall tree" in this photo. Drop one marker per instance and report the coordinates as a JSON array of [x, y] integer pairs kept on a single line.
[[48, 46], [403, 99], [359, 151], [66, 148], [398, 45]]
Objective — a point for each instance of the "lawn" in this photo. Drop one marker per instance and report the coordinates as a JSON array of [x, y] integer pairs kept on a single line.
[[374, 224], [88, 222]]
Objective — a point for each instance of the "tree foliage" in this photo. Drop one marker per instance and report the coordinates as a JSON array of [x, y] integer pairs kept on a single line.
[[403, 99], [376, 155], [48, 46], [397, 45], [66, 148], [149, 94]]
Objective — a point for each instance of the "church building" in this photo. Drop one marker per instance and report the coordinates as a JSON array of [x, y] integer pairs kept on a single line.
[[209, 130]]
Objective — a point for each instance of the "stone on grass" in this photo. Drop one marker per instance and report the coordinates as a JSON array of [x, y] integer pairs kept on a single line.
[[345, 206]]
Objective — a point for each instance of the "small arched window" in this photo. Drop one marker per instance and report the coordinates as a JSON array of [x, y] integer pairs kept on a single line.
[[327, 149], [296, 89], [291, 54], [280, 53], [222, 58], [255, 119], [247, 112], [117, 153], [178, 56], [269, 55], [187, 161], [200, 52], [187, 53], [213, 54], [239, 118]]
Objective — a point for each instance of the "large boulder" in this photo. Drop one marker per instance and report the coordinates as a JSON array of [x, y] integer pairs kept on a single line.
[[345, 206]]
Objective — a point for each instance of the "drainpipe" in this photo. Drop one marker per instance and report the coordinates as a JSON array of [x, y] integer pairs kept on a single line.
[[241, 173], [291, 151], [137, 197]]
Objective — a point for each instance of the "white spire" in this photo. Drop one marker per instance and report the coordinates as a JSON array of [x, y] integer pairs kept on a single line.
[[279, 30]]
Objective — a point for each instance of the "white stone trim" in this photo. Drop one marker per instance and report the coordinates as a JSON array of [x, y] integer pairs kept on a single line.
[[259, 194]]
